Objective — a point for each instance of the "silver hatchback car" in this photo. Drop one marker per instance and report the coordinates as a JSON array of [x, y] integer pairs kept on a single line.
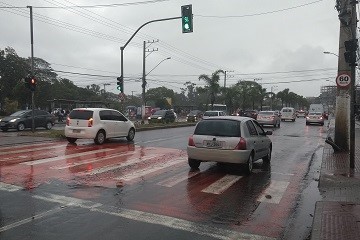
[[268, 118], [229, 139]]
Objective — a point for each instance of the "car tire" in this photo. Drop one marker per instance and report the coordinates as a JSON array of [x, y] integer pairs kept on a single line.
[[267, 158], [250, 164], [307, 123], [49, 125], [279, 124], [21, 126], [100, 137], [131, 135], [71, 140], [194, 164]]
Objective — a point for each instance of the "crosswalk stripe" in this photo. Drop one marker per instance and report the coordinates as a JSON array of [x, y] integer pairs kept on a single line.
[[222, 184], [91, 160], [53, 159], [154, 168], [274, 192], [170, 182], [9, 187], [31, 149], [128, 162]]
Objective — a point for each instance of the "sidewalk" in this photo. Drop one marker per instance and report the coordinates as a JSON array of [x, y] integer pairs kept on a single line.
[[337, 216]]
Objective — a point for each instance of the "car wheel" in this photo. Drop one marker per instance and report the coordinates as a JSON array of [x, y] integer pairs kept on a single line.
[[71, 140], [100, 137], [279, 124], [194, 164], [275, 125], [131, 135], [267, 158], [307, 123], [249, 164], [48, 125], [21, 126]]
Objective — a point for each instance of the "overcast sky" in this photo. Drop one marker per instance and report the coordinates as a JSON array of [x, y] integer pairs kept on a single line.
[[279, 43]]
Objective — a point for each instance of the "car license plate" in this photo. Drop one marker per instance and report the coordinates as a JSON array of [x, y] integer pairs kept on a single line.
[[213, 144], [76, 130]]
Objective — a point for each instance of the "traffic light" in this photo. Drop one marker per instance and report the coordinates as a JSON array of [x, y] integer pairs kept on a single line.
[[186, 18], [32, 83], [120, 84], [350, 54]]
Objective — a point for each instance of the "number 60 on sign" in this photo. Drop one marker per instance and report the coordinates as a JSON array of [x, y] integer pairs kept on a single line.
[[343, 80]]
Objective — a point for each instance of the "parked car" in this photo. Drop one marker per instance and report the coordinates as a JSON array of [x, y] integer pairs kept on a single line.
[[250, 113], [315, 117], [287, 113], [162, 116], [98, 124], [21, 120], [301, 113], [229, 139], [268, 118], [211, 113], [194, 116]]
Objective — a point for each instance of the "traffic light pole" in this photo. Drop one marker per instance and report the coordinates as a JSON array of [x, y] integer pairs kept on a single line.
[[123, 47], [32, 68]]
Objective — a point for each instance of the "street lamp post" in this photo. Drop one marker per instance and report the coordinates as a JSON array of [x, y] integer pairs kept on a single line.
[[143, 88], [272, 95]]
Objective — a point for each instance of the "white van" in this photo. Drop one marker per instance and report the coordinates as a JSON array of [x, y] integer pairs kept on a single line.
[[288, 113]]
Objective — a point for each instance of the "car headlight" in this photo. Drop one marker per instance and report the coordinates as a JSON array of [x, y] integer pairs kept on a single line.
[[14, 120], [159, 118]]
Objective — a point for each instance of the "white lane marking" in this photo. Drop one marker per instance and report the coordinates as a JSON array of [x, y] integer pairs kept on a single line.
[[27, 145], [170, 182], [157, 219], [9, 187], [31, 149], [128, 162], [53, 159], [30, 219], [161, 139], [222, 184], [274, 192], [286, 174], [90, 160], [154, 168]]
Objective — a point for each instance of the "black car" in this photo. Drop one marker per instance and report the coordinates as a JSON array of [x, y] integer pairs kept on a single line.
[[194, 116], [23, 119], [162, 116]]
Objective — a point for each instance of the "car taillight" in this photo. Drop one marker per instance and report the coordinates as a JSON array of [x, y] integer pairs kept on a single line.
[[241, 145], [191, 141], [67, 121], [90, 122]]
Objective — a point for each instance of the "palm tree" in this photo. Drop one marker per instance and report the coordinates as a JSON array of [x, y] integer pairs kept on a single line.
[[212, 84]]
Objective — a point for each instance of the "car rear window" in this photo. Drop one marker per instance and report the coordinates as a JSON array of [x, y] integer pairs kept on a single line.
[[286, 110], [81, 114], [266, 113], [218, 127]]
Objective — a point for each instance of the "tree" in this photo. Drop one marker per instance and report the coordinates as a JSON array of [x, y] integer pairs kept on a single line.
[[212, 85]]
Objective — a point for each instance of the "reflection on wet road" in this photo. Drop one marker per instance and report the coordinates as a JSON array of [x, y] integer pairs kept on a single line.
[[147, 188]]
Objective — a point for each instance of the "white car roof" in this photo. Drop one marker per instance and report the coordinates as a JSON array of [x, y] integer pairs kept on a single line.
[[237, 118]]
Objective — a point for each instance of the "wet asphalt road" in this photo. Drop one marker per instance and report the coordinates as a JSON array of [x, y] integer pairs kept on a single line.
[[145, 190]]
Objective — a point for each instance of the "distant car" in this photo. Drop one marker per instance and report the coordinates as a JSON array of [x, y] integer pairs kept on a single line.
[[301, 113], [268, 118], [194, 116], [315, 118], [162, 116], [208, 114], [21, 120], [98, 124], [229, 139], [250, 113], [287, 113]]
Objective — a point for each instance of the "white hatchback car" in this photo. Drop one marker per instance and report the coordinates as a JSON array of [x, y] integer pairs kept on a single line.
[[213, 113], [98, 124], [229, 139]]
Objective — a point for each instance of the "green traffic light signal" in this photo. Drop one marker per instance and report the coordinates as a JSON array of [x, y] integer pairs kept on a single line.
[[120, 84], [186, 18]]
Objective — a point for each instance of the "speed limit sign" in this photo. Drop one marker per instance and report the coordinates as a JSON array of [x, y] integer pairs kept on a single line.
[[343, 80]]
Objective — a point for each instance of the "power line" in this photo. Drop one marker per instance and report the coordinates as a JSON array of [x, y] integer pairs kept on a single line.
[[259, 14]]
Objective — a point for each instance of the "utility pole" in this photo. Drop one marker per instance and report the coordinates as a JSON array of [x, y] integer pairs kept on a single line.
[[345, 99], [225, 72], [143, 85]]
